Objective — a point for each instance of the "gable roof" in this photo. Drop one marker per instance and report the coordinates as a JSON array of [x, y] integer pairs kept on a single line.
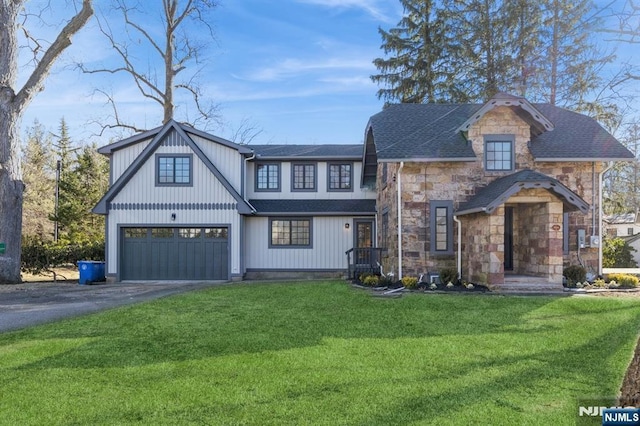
[[315, 207], [159, 134], [488, 198], [435, 132], [301, 152], [539, 123]]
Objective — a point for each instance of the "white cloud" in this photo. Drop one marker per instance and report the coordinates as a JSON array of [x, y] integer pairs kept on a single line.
[[289, 68], [371, 7]]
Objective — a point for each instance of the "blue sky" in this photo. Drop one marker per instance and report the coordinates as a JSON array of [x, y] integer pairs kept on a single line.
[[296, 69]]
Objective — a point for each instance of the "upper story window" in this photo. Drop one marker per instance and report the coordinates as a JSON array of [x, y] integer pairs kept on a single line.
[[499, 152], [340, 177], [173, 170], [303, 177], [268, 177]]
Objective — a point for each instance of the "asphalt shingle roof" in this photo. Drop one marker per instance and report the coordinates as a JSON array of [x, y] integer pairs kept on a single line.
[[429, 131], [498, 192], [316, 207], [308, 151]]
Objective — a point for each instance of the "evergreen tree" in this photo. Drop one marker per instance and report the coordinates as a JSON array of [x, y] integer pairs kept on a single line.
[[416, 71], [64, 168], [82, 188], [542, 49], [39, 180]]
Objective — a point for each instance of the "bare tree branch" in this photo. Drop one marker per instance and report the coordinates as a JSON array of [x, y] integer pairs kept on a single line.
[[36, 80], [176, 49]]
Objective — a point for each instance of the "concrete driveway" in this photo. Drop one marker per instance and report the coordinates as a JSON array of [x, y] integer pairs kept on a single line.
[[25, 305]]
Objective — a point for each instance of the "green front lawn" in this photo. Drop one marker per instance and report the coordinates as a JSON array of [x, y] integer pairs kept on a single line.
[[320, 353]]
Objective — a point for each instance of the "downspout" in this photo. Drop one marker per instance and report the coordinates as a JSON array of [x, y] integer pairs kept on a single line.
[[243, 184], [459, 254], [600, 213], [399, 189]]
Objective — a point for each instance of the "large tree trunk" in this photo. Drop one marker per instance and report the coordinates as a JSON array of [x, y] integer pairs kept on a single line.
[[12, 104], [11, 186]]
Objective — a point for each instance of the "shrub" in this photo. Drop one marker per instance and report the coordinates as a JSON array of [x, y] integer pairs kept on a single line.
[[575, 274], [410, 282], [38, 256], [371, 280], [624, 280], [448, 275], [363, 276]]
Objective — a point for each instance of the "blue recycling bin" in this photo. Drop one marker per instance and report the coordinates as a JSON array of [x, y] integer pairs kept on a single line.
[[91, 271]]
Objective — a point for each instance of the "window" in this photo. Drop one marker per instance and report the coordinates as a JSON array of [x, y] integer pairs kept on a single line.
[[268, 177], [216, 233], [441, 221], [173, 170], [303, 177], [340, 177], [190, 232], [162, 232], [498, 151], [135, 233], [385, 228], [290, 232]]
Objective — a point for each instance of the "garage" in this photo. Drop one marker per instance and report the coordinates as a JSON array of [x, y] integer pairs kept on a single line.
[[173, 253]]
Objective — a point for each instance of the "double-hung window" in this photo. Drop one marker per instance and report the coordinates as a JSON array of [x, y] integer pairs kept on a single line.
[[290, 232], [303, 177], [340, 177], [173, 170], [499, 152], [441, 223], [268, 177]]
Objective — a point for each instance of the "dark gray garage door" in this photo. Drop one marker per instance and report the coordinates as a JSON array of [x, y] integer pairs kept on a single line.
[[174, 254]]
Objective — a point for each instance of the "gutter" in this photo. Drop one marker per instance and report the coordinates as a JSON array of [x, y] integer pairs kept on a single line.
[[600, 214], [399, 189], [244, 182]]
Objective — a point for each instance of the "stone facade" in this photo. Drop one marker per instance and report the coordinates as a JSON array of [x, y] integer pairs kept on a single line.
[[539, 240]]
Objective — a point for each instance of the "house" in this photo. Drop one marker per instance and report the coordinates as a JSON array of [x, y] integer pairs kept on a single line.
[[496, 189], [507, 187], [186, 205], [622, 225]]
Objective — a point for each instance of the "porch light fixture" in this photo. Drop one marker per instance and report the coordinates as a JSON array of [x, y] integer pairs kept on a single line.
[[173, 216], [346, 226]]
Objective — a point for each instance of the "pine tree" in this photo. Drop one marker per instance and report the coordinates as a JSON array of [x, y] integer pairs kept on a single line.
[[416, 71], [39, 180]]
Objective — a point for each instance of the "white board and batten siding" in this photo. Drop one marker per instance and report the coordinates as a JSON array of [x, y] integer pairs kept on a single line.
[[206, 202], [330, 241]]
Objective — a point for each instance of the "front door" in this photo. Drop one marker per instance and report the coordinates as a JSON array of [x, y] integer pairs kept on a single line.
[[508, 238], [363, 240]]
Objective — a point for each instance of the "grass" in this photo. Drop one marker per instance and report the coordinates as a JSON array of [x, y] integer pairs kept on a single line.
[[320, 353]]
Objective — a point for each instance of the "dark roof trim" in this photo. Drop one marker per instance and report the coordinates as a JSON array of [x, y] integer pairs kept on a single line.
[[260, 157], [314, 207], [504, 99], [579, 159], [429, 160], [108, 149], [101, 207], [499, 191]]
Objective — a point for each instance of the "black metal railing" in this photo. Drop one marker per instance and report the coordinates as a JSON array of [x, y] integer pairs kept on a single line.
[[361, 260]]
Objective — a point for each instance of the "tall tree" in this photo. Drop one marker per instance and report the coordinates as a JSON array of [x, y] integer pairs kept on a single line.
[[39, 180], [13, 101], [542, 49], [82, 184], [142, 48], [416, 72]]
